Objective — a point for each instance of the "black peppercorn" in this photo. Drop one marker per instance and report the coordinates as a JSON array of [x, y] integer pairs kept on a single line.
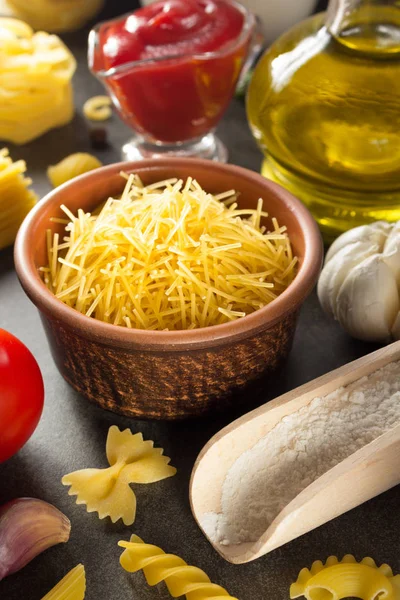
[[98, 138]]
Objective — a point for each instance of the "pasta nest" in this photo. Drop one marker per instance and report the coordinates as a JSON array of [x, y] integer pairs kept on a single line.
[[35, 82], [337, 580]]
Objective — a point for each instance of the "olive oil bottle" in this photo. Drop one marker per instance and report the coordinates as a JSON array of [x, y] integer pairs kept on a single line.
[[324, 105]]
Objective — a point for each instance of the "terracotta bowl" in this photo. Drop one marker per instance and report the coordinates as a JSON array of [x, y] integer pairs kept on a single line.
[[158, 374]]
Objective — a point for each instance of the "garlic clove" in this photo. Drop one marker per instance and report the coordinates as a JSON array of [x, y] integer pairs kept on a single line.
[[391, 251], [335, 272], [28, 526], [368, 301], [374, 234]]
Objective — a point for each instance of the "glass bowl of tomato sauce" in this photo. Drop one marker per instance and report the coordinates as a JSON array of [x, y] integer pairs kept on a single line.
[[171, 69]]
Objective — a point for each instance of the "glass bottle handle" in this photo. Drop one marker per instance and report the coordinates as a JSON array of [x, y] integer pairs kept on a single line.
[[338, 12], [257, 44], [342, 13]]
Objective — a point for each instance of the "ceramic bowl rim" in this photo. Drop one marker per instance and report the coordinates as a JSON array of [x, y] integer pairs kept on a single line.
[[264, 318]]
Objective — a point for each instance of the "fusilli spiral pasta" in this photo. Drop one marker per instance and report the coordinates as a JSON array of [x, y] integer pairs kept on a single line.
[[107, 491], [180, 578]]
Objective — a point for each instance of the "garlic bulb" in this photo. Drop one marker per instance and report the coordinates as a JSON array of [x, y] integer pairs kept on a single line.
[[359, 284]]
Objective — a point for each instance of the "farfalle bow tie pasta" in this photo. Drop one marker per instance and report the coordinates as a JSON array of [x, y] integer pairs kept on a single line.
[[131, 460]]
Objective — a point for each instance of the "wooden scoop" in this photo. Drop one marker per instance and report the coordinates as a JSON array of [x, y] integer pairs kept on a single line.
[[368, 472]]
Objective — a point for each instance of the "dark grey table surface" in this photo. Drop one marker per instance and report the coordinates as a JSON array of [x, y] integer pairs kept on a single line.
[[72, 433]]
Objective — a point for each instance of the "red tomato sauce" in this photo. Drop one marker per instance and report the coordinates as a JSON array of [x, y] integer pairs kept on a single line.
[[165, 85]]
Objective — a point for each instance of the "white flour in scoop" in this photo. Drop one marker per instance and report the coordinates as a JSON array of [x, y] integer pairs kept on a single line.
[[298, 450]]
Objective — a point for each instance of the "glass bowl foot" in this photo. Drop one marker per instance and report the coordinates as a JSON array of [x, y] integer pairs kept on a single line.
[[209, 147]]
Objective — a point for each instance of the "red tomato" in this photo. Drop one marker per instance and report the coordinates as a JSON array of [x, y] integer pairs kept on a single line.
[[21, 394]]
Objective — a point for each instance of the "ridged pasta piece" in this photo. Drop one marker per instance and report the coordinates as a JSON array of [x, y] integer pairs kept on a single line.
[[98, 108], [71, 587], [180, 578], [71, 166], [107, 491], [347, 579], [16, 199]]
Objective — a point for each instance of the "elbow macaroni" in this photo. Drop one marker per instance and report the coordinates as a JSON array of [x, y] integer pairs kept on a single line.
[[97, 108]]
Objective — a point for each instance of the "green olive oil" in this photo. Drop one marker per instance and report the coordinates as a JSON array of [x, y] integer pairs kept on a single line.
[[325, 109]]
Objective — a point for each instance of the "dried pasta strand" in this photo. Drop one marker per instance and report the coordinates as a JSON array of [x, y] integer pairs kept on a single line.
[[347, 578], [71, 166], [98, 108], [107, 491], [180, 578], [71, 587]]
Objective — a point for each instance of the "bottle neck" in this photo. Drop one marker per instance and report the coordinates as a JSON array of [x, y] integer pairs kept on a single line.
[[366, 25]]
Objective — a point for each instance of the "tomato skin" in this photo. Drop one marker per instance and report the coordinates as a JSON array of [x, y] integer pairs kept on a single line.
[[21, 394]]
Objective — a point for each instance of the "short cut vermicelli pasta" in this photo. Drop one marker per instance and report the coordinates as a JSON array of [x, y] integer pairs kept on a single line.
[[169, 256]]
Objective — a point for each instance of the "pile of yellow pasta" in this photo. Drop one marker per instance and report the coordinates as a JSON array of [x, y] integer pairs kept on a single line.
[[56, 15], [16, 199], [169, 256], [35, 82]]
